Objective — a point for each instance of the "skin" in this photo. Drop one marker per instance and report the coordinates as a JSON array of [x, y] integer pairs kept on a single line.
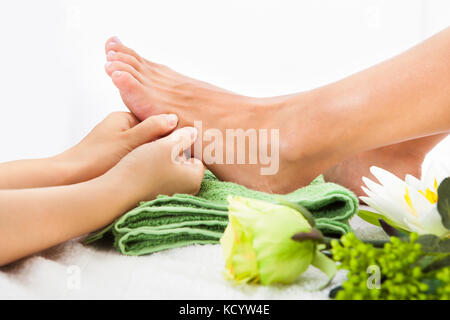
[[374, 116], [120, 163], [98, 152], [401, 159]]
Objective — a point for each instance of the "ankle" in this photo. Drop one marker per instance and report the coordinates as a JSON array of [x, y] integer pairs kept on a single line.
[[312, 134]]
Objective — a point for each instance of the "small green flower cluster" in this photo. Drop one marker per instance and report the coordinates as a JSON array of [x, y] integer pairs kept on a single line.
[[398, 275], [443, 292]]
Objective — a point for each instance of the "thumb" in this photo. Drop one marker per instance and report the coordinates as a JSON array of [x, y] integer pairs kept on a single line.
[[178, 141], [152, 128]]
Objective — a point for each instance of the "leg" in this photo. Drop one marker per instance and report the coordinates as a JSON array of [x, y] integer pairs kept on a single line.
[[388, 103], [401, 159]]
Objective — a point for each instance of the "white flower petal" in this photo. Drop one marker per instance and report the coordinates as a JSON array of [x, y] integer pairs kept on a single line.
[[415, 212], [373, 186], [413, 227], [394, 186], [414, 182], [419, 202], [436, 170], [386, 206], [431, 221], [371, 203]]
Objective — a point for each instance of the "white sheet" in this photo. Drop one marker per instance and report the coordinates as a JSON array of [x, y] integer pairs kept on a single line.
[[186, 273]]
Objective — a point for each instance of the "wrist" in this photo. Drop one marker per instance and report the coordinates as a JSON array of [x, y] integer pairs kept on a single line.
[[66, 169], [129, 185], [121, 192]]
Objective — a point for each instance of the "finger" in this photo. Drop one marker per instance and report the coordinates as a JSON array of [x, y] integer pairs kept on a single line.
[[180, 140], [127, 118], [152, 128], [193, 171], [132, 120]]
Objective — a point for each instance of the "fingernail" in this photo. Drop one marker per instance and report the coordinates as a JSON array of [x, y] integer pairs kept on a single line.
[[116, 39], [108, 64], [172, 119], [111, 53]]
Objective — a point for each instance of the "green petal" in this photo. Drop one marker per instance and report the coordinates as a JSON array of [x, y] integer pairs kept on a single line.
[[239, 254], [265, 246]]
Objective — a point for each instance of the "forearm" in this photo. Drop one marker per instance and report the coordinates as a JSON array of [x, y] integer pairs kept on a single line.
[[36, 173], [35, 219]]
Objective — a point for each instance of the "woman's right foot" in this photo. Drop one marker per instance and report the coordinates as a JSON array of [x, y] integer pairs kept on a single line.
[[349, 172], [400, 159]]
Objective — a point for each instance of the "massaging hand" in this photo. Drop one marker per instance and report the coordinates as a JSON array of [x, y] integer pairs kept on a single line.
[[159, 167], [65, 212], [111, 140], [104, 146]]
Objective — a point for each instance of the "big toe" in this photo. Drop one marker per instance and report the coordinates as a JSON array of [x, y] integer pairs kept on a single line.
[[126, 83], [114, 44]]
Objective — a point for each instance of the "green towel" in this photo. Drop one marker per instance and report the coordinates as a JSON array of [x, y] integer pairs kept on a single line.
[[181, 219]]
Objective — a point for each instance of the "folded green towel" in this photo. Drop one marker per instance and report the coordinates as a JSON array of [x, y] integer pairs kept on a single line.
[[180, 220]]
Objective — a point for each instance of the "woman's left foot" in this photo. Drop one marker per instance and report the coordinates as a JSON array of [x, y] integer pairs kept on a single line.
[[148, 88]]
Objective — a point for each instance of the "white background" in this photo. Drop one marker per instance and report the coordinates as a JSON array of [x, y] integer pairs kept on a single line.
[[53, 88]]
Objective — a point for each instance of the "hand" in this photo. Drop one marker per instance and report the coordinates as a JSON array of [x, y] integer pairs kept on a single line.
[[159, 167], [110, 141]]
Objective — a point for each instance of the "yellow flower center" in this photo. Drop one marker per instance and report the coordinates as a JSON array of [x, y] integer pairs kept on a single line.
[[409, 202], [431, 195]]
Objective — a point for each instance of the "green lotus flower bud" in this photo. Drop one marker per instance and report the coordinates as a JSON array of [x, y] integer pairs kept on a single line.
[[258, 246]]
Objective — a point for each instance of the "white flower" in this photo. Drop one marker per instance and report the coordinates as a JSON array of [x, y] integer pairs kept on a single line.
[[410, 204]]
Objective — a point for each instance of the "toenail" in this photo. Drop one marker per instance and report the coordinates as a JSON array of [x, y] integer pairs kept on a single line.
[[111, 53], [116, 74], [116, 39], [108, 64]]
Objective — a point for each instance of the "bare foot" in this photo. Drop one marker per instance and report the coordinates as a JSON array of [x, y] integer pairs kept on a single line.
[[400, 159], [148, 88]]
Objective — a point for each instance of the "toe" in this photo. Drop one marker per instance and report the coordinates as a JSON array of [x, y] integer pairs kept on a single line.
[[115, 44], [125, 82], [111, 42], [123, 57], [112, 66]]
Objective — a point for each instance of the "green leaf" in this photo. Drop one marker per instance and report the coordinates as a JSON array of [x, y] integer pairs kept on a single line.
[[438, 263], [374, 218], [432, 243], [443, 204], [433, 285], [429, 242], [425, 262], [370, 217], [305, 212]]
